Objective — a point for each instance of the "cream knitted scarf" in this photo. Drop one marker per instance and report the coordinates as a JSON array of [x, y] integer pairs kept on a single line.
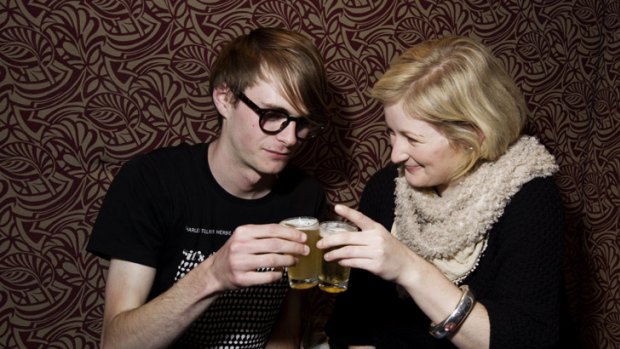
[[450, 231]]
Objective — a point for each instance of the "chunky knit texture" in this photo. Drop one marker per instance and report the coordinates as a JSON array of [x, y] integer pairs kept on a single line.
[[449, 230], [518, 278]]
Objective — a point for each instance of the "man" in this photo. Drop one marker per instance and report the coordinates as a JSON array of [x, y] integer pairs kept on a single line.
[[196, 254]]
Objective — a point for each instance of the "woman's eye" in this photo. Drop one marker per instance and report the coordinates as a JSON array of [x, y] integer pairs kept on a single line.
[[411, 140]]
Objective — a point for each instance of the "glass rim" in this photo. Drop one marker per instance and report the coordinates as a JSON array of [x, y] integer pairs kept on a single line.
[[347, 227], [312, 221]]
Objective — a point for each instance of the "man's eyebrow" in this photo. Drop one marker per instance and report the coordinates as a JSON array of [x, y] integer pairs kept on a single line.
[[271, 106]]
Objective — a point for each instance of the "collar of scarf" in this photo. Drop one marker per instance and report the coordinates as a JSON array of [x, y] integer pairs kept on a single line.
[[453, 227]]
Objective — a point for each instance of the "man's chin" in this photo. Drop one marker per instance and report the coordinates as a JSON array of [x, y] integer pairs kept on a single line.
[[274, 168]]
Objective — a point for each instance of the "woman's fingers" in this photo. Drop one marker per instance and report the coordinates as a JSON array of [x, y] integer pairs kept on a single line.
[[356, 217]]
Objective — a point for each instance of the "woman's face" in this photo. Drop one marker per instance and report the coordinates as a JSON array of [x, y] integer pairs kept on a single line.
[[425, 154]]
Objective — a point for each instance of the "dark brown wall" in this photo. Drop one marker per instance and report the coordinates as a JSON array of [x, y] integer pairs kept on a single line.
[[86, 85]]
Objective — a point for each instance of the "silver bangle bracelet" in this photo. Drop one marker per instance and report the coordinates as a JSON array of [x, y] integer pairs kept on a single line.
[[459, 314]]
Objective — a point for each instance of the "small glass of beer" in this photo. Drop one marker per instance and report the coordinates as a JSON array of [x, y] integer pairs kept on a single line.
[[305, 274], [333, 277]]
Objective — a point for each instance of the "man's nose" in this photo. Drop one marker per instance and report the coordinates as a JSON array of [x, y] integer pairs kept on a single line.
[[288, 134]]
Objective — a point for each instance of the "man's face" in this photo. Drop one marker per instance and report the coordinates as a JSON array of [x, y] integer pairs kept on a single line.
[[248, 145]]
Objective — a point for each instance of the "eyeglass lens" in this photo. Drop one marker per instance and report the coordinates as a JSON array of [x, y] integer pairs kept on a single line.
[[272, 121], [275, 121]]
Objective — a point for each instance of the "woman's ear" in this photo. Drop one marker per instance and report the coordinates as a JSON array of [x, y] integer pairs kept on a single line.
[[222, 99], [480, 135]]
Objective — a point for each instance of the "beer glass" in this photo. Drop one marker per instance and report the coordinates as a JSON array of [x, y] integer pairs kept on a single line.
[[333, 277], [305, 274]]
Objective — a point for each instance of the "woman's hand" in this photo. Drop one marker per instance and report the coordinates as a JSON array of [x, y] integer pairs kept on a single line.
[[373, 248]]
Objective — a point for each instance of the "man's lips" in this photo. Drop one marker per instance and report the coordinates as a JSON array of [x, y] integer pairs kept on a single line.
[[279, 153]]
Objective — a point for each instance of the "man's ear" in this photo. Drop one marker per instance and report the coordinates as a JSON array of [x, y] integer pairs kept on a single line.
[[222, 99]]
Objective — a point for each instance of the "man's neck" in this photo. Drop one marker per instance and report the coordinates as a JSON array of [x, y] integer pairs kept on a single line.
[[237, 179]]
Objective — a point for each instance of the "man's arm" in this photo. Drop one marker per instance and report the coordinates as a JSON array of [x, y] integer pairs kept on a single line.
[[129, 322]]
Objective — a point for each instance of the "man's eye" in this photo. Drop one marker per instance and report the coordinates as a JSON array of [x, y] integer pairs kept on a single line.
[[275, 115], [302, 122]]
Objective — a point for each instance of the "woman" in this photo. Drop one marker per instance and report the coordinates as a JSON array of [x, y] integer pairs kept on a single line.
[[461, 238]]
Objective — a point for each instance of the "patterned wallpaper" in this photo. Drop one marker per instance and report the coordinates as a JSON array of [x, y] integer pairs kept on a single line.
[[86, 85]]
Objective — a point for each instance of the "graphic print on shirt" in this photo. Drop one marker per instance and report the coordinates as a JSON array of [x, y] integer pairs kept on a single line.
[[240, 318], [190, 261]]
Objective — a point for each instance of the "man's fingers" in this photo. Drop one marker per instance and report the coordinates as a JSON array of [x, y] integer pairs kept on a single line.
[[267, 246], [271, 231]]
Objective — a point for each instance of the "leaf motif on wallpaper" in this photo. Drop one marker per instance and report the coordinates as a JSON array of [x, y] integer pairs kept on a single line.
[[607, 125], [21, 161], [77, 34], [133, 29], [411, 31], [119, 11], [278, 13], [372, 13], [340, 177], [543, 69], [575, 96], [190, 63], [351, 81], [532, 47], [602, 211], [72, 142], [612, 319], [22, 272], [120, 124], [93, 314], [25, 47], [38, 77], [115, 115], [69, 333], [162, 100]]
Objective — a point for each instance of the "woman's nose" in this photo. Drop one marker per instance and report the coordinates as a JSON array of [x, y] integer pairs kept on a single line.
[[398, 153]]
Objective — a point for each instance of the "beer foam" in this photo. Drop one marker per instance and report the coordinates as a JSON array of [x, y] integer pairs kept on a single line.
[[328, 228], [301, 222]]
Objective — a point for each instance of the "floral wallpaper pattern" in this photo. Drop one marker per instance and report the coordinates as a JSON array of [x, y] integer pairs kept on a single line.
[[86, 85]]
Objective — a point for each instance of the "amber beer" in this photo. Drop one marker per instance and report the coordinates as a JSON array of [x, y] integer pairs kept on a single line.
[[333, 277], [305, 274]]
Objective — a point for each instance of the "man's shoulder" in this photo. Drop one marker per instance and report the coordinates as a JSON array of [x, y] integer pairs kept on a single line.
[[294, 177], [168, 157], [173, 152]]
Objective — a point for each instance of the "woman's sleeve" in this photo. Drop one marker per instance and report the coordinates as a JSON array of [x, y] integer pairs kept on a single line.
[[524, 302]]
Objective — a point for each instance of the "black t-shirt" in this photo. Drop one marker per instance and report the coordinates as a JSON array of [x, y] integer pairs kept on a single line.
[[165, 210]]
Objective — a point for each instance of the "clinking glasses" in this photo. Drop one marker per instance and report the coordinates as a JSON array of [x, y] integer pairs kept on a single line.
[[272, 121]]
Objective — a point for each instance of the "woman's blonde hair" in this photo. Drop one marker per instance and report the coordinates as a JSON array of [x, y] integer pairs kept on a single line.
[[459, 87]]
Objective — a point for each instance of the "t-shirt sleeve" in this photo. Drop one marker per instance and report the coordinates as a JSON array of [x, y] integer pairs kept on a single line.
[[128, 225]]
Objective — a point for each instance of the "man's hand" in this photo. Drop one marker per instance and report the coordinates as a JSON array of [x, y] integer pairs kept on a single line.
[[253, 247]]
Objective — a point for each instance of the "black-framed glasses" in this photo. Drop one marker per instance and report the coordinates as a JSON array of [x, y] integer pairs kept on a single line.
[[273, 121]]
